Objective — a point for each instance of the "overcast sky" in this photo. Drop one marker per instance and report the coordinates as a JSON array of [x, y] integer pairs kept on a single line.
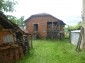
[[67, 10]]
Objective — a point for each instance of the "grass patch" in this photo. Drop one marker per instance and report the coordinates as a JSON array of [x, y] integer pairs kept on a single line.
[[53, 51]]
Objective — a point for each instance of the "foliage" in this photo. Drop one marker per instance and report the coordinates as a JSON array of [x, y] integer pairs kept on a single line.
[[22, 23], [17, 21], [13, 19], [7, 5], [70, 28], [76, 27], [53, 51]]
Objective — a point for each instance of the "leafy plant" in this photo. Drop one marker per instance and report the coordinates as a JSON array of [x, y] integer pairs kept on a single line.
[[7, 5]]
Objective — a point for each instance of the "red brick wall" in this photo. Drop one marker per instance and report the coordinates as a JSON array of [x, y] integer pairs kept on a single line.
[[42, 25]]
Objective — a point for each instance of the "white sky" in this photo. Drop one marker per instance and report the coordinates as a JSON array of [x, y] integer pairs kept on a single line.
[[67, 10]]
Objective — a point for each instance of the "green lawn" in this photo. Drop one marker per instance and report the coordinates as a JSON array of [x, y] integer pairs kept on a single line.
[[53, 51]]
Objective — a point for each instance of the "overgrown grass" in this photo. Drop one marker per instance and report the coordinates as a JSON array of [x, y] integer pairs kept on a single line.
[[53, 51]]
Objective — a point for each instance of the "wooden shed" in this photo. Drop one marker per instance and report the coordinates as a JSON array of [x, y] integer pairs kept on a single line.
[[74, 37], [12, 40], [7, 33], [45, 26]]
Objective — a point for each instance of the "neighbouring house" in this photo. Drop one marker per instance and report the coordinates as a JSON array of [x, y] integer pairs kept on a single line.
[[14, 41], [45, 26]]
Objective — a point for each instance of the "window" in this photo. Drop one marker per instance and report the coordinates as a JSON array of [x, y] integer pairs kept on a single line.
[[35, 27], [8, 38]]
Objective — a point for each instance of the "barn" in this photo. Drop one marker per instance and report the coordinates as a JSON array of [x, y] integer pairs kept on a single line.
[[45, 26], [13, 40]]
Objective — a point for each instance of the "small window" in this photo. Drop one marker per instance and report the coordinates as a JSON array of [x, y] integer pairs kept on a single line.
[[8, 38]]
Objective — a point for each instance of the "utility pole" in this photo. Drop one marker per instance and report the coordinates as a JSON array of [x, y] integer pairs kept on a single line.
[[82, 46]]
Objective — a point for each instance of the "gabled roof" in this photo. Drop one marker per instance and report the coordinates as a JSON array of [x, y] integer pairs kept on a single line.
[[43, 15], [5, 22]]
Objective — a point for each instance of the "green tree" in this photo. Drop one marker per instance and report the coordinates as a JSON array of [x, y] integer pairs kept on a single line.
[[13, 19], [7, 5], [19, 22], [78, 26], [22, 23], [70, 28]]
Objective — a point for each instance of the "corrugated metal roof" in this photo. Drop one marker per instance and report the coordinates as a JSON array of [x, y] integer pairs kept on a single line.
[[76, 31]]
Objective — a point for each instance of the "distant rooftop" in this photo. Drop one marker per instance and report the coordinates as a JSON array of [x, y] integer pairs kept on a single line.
[[41, 15]]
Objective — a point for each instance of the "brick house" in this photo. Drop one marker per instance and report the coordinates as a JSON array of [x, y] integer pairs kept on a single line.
[[45, 26]]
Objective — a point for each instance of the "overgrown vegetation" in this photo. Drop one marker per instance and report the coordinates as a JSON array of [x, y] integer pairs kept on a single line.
[[19, 22], [53, 51], [7, 5], [76, 27], [68, 29]]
